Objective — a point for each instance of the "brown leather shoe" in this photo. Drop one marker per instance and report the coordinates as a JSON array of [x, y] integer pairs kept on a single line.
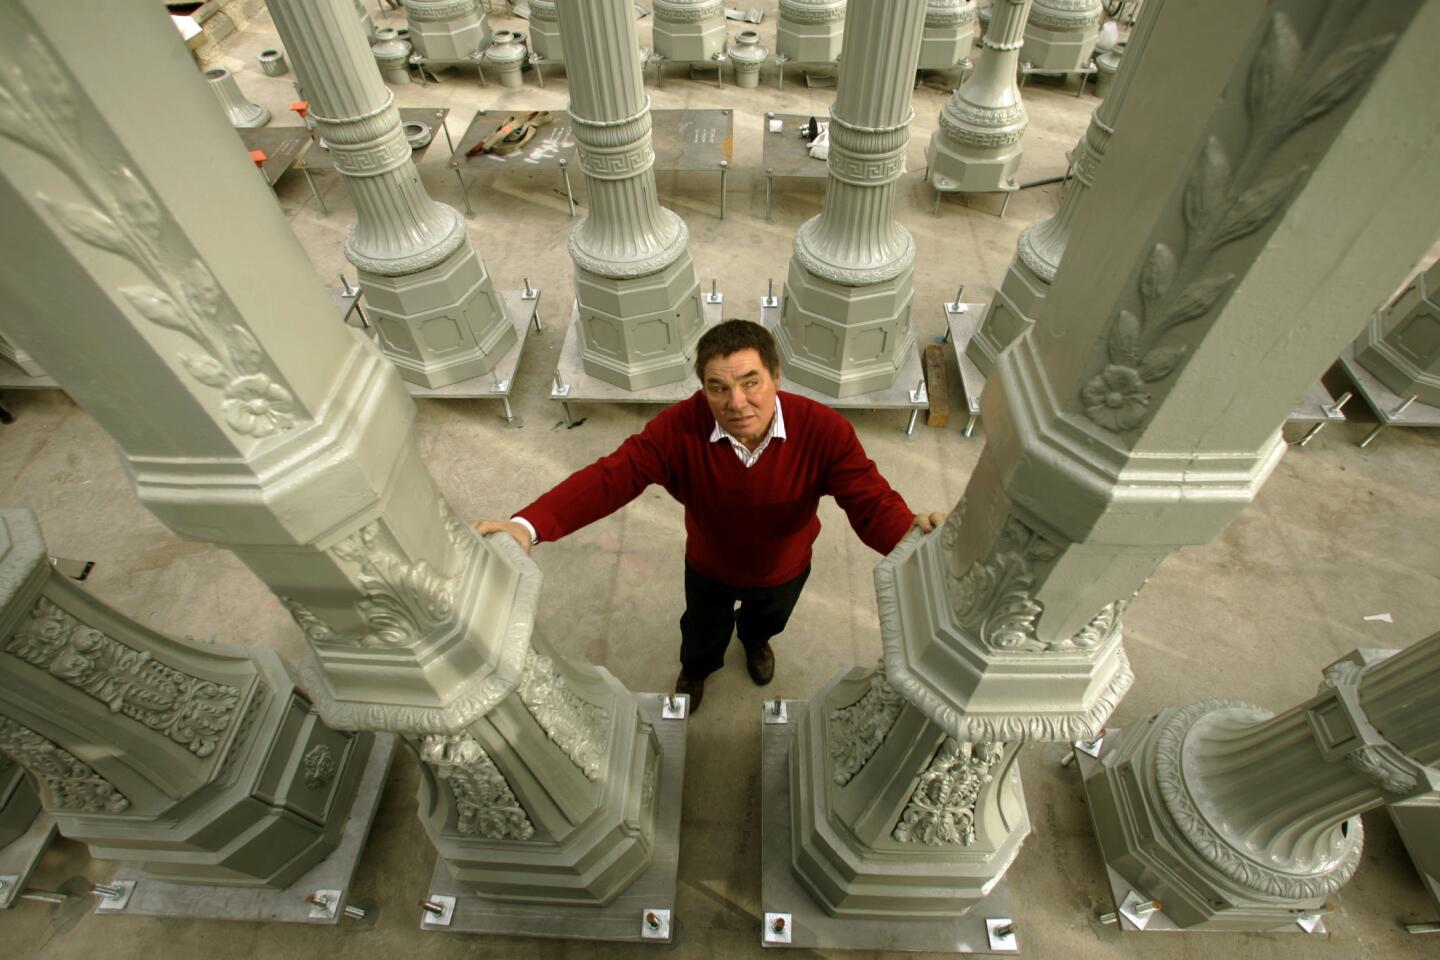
[[761, 664], [694, 689]]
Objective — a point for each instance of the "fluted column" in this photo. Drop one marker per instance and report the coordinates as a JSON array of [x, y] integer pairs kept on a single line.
[[845, 326], [1401, 343], [200, 763], [1239, 819], [439, 317], [249, 417], [239, 110], [545, 38], [950, 30], [689, 29], [635, 285], [977, 147], [1214, 274], [1060, 35], [810, 31], [447, 31], [1042, 244]]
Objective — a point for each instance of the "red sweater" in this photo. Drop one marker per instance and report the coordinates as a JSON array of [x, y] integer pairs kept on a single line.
[[747, 527]]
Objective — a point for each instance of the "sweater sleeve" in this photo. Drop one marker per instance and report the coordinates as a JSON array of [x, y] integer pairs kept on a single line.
[[609, 483], [878, 515]]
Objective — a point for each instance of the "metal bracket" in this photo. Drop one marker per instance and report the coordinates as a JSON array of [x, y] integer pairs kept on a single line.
[[777, 928], [324, 904], [500, 386], [77, 570], [529, 293], [655, 924], [1000, 931], [8, 881], [674, 706], [770, 300], [920, 394], [559, 389], [714, 296], [1311, 922], [1091, 747], [437, 910], [1139, 909], [114, 897], [777, 711]]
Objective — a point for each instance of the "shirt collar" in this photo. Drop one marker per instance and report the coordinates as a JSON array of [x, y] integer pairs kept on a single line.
[[776, 431]]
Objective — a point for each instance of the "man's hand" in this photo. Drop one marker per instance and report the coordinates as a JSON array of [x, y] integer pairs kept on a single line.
[[521, 535], [927, 522]]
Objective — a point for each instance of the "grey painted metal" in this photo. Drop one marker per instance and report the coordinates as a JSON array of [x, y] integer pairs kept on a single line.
[[1060, 35], [439, 316], [1418, 822], [1390, 408], [201, 761], [689, 30], [810, 31], [845, 325], [240, 111], [448, 31], [545, 38], [639, 296], [506, 55], [1401, 344], [20, 857], [21, 360], [1042, 244], [951, 27], [623, 918], [336, 873], [977, 148], [811, 926], [747, 55], [1236, 818], [272, 61]]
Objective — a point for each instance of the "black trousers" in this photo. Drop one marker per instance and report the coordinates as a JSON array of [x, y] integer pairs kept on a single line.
[[710, 618]]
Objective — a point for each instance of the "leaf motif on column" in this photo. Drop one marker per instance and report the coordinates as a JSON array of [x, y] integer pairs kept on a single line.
[[190, 711], [117, 212], [858, 730], [941, 810], [577, 726], [67, 782], [485, 806], [1221, 203]]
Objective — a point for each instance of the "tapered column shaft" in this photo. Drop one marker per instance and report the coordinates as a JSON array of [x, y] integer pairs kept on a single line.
[[1042, 244], [636, 289], [438, 315], [845, 325]]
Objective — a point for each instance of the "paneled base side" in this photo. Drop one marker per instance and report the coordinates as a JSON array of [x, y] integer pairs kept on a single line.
[[845, 340], [20, 856], [624, 917], [442, 325], [1056, 51], [1018, 301], [689, 41], [810, 42], [499, 383], [1185, 889], [639, 332], [1391, 409], [962, 322], [943, 47], [1418, 822], [808, 924], [954, 167], [450, 41], [161, 898], [545, 41], [574, 383]]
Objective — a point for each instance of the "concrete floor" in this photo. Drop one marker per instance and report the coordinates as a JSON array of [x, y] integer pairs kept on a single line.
[[1338, 533]]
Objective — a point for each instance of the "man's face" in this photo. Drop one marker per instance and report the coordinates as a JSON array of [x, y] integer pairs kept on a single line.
[[741, 394]]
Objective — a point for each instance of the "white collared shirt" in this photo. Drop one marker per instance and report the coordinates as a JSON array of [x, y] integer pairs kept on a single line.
[[747, 456]]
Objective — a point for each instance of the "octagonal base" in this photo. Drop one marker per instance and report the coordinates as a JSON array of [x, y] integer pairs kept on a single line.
[[1055, 51], [955, 167], [640, 332], [696, 40], [810, 42], [545, 40], [842, 340], [1401, 344], [442, 325], [943, 47], [1011, 313], [450, 41]]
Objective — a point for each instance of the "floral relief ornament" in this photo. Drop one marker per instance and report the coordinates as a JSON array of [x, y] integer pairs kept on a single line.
[[1222, 203], [118, 213]]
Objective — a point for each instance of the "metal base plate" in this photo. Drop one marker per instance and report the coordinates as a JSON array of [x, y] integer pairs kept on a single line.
[[571, 371], [19, 858], [1384, 401], [897, 396], [1318, 406], [1121, 889], [498, 384], [809, 925], [624, 918], [161, 898]]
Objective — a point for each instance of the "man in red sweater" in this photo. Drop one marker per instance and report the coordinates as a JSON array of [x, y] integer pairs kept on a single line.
[[750, 464]]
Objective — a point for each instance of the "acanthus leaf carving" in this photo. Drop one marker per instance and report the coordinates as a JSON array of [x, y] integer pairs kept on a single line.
[[190, 711], [318, 766], [485, 806], [69, 784], [858, 730], [577, 726], [941, 810]]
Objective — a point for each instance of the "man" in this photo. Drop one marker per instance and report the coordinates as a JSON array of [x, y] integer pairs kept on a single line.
[[750, 464]]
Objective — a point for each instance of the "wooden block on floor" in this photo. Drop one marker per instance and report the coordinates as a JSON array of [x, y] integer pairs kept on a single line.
[[939, 413]]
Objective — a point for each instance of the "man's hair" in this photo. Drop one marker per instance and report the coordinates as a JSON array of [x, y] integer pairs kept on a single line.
[[732, 336]]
